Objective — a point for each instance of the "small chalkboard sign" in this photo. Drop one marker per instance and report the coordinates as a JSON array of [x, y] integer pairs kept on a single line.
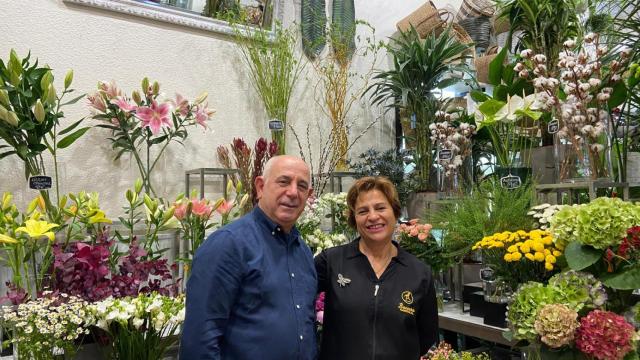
[[511, 182], [553, 126], [276, 125], [445, 154], [40, 182]]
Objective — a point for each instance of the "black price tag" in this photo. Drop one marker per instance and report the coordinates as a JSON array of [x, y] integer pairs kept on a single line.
[[511, 182], [40, 182], [445, 154], [276, 125], [553, 126]]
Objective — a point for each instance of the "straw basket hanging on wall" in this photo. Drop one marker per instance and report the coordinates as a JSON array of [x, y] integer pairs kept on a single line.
[[482, 64], [479, 28], [472, 8], [424, 19]]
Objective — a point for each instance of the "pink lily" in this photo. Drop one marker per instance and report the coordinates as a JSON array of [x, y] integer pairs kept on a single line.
[[203, 114], [123, 104], [97, 102], [109, 89], [180, 210], [154, 117], [225, 207], [201, 208], [181, 104]]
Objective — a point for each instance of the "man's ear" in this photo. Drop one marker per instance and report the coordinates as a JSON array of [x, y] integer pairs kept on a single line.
[[259, 184]]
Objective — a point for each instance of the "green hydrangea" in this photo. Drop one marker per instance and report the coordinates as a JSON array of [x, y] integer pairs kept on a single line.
[[523, 311], [601, 223], [556, 324], [580, 289]]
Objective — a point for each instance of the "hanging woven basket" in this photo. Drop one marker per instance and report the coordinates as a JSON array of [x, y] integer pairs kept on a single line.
[[482, 64], [500, 24], [472, 8], [479, 29], [424, 19]]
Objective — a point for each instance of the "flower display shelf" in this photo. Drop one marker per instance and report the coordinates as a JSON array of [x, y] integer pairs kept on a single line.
[[336, 178], [202, 172], [573, 188], [453, 319]]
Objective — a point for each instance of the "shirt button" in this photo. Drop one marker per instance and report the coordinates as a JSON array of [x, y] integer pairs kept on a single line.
[[293, 275], [278, 228], [298, 306], [301, 337], [273, 233]]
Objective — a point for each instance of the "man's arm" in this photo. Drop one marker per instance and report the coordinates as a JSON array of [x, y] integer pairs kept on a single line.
[[211, 291]]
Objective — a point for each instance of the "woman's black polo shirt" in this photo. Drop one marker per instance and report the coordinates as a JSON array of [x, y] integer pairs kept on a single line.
[[391, 318]]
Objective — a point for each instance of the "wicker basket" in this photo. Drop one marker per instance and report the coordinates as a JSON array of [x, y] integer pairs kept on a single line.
[[500, 24], [482, 64], [479, 28], [472, 8], [424, 19]]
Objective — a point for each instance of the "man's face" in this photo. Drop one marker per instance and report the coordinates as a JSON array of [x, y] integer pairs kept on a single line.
[[284, 190]]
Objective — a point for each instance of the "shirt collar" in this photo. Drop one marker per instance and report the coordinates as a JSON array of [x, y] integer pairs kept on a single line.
[[353, 250], [263, 220]]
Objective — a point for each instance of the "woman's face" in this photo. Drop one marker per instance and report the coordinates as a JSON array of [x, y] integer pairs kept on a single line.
[[375, 220]]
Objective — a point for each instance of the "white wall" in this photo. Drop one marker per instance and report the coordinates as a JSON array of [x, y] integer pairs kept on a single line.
[[102, 45]]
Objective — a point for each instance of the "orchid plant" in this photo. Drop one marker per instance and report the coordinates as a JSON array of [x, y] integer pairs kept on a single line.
[[144, 120]]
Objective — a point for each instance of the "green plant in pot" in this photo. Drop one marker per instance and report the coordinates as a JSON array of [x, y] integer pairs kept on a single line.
[[274, 68], [419, 67]]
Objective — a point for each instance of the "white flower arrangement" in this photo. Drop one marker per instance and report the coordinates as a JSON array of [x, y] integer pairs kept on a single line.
[[315, 216], [320, 240], [543, 213], [140, 325], [445, 135], [47, 326]]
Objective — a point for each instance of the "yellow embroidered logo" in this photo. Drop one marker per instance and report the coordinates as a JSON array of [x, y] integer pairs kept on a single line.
[[406, 309], [407, 297]]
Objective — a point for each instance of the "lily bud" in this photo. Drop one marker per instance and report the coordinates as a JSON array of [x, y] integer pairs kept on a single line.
[[3, 113], [136, 97], [138, 185], [38, 111], [51, 95], [151, 205], [201, 98], [68, 79], [168, 214], [156, 88], [12, 118], [15, 63], [32, 206], [229, 187], [46, 80], [63, 201], [239, 188], [129, 195], [6, 200], [4, 97], [243, 201], [145, 85], [217, 204], [14, 79]]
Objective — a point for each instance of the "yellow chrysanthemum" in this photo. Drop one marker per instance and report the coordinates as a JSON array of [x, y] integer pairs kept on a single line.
[[529, 256], [521, 233], [547, 240], [547, 252], [512, 249], [538, 246], [550, 259], [539, 256], [525, 249], [508, 257], [498, 244], [548, 266], [516, 256], [556, 253], [529, 243]]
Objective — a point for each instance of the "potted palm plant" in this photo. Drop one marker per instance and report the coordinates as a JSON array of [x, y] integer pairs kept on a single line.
[[419, 67]]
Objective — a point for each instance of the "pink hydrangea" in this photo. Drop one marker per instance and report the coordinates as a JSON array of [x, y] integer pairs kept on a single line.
[[604, 335]]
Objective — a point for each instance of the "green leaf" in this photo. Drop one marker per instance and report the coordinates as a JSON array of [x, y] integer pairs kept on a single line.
[[496, 68], [71, 127], [312, 26], [580, 256], [491, 107], [618, 95], [70, 139], [445, 83], [479, 96], [501, 92], [158, 140], [628, 279]]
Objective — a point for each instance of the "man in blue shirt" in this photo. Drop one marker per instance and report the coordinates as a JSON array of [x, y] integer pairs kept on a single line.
[[253, 283]]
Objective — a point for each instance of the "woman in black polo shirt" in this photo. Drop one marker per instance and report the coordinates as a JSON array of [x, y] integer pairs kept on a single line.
[[380, 300]]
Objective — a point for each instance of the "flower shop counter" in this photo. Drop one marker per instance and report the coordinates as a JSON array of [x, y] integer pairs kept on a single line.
[[453, 319]]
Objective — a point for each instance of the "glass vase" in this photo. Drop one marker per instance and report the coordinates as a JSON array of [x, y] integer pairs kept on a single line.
[[497, 291]]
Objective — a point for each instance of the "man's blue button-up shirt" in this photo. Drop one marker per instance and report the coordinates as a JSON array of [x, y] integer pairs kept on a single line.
[[251, 295]]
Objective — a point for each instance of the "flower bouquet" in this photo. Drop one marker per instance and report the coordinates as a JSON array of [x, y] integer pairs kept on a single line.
[[141, 327], [520, 256], [312, 222], [565, 318], [144, 120], [603, 238], [445, 352], [49, 326]]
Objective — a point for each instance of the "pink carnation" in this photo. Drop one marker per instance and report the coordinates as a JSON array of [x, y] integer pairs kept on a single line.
[[604, 335]]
